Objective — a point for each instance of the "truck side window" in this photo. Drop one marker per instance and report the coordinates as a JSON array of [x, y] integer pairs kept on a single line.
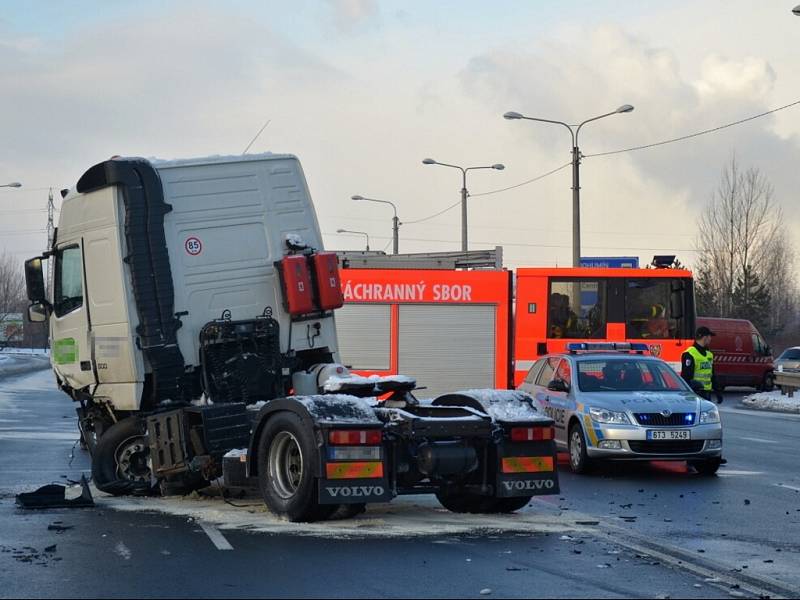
[[68, 290], [577, 309]]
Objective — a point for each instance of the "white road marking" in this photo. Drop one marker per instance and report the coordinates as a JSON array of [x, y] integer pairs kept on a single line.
[[123, 551], [788, 487], [759, 440], [726, 472], [216, 537]]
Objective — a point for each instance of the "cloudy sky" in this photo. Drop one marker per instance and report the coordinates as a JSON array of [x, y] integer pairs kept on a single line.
[[363, 90]]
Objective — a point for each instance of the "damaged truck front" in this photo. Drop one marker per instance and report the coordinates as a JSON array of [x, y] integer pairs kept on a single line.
[[191, 313]]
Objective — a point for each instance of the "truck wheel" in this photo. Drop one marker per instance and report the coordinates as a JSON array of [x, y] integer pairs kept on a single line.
[[459, 501], [769, 382], [579, 460], [121, 460], [287, 463], [707, 467], [509, 505]]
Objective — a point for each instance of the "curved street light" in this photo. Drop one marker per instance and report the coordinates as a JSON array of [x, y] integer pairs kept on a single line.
[[576, 161], [395, 220], [796, 10], [364, 233], [464, 193], [14, 184]]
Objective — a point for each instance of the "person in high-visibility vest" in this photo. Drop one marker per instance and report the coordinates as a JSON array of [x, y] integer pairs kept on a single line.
[[697, 364]]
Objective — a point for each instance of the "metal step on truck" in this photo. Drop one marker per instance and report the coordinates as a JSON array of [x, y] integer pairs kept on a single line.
[[191, 314]]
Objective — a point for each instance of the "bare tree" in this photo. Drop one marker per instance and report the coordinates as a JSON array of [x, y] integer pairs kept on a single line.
[[12, 288], [746, 258]]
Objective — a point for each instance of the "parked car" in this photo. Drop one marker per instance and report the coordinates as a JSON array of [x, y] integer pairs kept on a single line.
[[741, 356], [789, 360], [623, 405]]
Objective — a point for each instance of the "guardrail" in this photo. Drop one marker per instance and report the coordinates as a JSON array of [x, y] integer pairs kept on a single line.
[[787, 382]]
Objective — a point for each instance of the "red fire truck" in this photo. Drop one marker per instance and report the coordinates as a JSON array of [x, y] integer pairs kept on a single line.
[[463, 328]]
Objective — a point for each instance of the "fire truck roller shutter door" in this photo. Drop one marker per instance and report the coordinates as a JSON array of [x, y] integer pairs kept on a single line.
[[448, 347], [364, 332]]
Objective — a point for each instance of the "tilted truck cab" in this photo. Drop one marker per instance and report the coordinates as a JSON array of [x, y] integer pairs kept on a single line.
[[192, 313]]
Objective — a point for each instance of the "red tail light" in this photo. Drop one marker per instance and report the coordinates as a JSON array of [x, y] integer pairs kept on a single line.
[[355, 437], [532, 434]]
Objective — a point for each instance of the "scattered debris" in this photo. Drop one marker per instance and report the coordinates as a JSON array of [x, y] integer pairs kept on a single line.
[[746, 501], [587, 522], [59, 528], [54, 496], [485, 592]]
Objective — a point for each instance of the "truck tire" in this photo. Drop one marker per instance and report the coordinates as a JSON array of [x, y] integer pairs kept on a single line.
[[120, 461], [460, 501], [579, 460], [287, 465]]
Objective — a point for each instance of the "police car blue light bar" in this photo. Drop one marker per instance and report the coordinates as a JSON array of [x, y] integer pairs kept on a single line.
[[606, 347]]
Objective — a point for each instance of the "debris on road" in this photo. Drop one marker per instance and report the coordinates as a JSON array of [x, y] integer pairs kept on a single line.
[[54, 496]]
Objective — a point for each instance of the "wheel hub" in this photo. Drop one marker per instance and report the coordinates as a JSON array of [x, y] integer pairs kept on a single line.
[[133, 460], [285, 464]]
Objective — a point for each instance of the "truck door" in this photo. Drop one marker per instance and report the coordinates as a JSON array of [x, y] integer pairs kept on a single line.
[[69, 323]]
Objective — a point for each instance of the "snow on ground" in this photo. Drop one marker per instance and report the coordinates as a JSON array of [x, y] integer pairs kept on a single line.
[[773, 401], [14, 362], [419, 516]]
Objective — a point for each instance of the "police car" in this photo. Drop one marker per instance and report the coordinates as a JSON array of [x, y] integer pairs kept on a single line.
[[613, 401]]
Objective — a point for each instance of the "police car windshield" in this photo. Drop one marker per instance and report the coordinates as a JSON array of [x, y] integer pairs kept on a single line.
[[790, 354], [627, 375]]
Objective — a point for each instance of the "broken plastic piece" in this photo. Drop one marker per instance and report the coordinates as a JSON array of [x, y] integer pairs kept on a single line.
[[54, 496]]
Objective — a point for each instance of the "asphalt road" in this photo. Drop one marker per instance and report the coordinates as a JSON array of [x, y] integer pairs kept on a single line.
[[680, 532]]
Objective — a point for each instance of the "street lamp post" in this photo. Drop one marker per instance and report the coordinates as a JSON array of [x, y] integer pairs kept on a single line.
[[464, 193], [576, 162], [364, 233], [395, 221], [14, 184]]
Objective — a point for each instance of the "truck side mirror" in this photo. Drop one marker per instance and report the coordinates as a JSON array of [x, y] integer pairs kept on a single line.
[[34, 280], [37, 312]]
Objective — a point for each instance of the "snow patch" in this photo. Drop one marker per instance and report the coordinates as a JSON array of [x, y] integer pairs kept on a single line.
[[773, 401], [236, 453], [418, 516], [339, 408], [506, 405], [336, 383]]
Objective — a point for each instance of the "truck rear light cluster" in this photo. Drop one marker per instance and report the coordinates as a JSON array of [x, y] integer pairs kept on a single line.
[[532, 434], [355, 437]]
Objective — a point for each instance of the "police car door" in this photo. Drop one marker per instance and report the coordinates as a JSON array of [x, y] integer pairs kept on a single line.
[[560, 398], [541, 393]]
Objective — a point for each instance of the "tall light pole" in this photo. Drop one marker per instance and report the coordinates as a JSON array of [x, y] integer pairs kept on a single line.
[[395, 221], [14, 184], [576, 163], [364, 233], [464, 193]]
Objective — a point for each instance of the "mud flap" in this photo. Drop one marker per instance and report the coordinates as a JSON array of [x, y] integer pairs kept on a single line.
[[526, 469], [354, 491]]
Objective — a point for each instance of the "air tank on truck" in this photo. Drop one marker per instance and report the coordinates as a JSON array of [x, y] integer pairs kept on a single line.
[[191, 314]]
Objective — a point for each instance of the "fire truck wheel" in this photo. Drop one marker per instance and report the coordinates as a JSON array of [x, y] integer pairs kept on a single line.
[[707, 467], [459, 501], [579, 460], [288, 461], [121, 460]]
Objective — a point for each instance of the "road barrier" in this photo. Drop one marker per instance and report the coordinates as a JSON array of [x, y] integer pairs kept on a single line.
[[788, 383]]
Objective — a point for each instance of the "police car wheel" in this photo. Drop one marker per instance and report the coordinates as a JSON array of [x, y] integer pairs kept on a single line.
[[578, 458], [707, 467], [287, 462], [769, 382]]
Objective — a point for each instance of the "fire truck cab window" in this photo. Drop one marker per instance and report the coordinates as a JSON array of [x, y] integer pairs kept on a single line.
[[655, 308], [577, 309]]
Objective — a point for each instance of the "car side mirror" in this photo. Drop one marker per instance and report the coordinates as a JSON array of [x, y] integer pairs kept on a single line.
[[558, 386]]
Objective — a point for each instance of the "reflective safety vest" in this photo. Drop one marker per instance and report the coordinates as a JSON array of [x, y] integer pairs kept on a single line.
[[703, 366]]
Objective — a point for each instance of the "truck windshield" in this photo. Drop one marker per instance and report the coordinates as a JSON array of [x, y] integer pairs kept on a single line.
[[627, 375], [657, 309]]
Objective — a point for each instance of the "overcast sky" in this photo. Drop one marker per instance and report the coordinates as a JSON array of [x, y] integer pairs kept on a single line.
[[362, 90]]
